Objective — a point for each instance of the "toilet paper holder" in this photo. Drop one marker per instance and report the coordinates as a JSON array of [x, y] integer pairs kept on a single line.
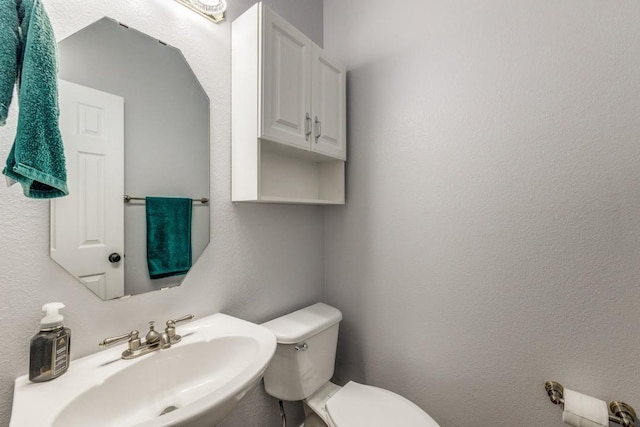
[[621, 413]]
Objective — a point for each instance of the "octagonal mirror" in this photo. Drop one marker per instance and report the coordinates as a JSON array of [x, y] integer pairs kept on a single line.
[[135, 125]]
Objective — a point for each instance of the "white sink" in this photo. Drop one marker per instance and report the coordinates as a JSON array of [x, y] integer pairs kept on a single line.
[[219, 359]]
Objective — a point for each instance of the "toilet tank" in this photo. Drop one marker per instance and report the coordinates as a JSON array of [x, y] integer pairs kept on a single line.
[[306, 351]]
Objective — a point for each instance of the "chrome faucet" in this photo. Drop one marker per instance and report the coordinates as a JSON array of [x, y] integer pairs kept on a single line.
[[153, 341], [153, 337]]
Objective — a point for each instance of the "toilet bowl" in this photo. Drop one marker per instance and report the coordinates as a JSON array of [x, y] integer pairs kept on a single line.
[[304, 363]]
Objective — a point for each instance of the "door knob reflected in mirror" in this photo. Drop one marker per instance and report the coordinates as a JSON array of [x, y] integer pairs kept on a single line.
[[114, 257]]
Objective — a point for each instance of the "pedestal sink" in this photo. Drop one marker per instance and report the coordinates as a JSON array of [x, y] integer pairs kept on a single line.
[[196, 382]]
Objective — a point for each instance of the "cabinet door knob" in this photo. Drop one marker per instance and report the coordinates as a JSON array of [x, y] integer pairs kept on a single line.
[[307, 127], [318, 129], [114, 257]]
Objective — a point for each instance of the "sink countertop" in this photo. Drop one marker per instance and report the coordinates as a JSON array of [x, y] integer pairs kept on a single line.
[[42, 403]]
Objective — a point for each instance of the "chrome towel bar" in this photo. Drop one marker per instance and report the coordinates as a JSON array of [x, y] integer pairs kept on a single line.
[[128, 198]]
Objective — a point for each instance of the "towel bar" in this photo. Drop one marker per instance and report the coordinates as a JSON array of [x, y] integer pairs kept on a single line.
[[128, 198]]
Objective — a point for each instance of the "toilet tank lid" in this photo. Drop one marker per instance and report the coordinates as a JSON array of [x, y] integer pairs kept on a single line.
[[298, 326]]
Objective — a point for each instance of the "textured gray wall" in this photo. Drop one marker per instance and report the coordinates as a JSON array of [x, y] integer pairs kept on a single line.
[[263, 261], [491, 237]]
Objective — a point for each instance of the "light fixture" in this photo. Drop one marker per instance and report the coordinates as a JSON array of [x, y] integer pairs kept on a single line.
[[210, 9]]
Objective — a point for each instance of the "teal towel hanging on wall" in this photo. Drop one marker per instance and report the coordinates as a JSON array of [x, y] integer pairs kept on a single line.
[[9, 51], [36, 159], [168, 236]]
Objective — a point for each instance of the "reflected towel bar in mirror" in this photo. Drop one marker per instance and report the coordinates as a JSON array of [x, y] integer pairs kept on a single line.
[[128, 198]]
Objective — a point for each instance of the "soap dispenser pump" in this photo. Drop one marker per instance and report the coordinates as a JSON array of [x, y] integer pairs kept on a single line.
[[51, 347]]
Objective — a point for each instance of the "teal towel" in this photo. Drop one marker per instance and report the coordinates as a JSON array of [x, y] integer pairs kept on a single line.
[[37, 159], [168, 236], [9, 51]]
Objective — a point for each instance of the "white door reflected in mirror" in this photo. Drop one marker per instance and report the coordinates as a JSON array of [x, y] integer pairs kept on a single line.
[[88, 225]]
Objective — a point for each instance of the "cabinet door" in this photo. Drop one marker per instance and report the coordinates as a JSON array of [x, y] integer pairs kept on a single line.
[[329, 106], [286, 103]]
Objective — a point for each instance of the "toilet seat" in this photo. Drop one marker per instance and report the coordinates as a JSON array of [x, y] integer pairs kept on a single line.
[[358, 405]]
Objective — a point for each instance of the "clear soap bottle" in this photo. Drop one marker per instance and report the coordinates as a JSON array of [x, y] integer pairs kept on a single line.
[[51, 347]]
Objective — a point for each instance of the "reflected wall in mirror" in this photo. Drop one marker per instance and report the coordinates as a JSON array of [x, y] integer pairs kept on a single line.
[[135, 121]]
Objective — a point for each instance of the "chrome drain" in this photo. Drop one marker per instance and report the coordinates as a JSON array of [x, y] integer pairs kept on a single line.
[[167, 410]]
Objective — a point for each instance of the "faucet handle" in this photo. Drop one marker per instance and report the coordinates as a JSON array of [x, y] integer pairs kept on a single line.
[[173, 323], [132, 337], [170, 330]]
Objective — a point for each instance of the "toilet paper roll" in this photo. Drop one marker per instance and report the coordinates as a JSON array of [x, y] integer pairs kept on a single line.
[[584, 411]]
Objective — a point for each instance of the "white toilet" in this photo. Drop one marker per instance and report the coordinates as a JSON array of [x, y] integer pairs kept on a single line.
[[304, 363]]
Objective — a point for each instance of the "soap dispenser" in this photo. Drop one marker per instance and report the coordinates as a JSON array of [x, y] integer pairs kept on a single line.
[[50, 348]]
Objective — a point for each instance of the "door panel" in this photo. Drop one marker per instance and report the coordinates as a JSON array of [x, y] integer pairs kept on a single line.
[[88, 225], [329, 106], [287, 83]]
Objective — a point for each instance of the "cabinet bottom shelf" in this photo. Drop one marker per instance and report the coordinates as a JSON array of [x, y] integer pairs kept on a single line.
[[292, 176], [288, 176], [294, 201]]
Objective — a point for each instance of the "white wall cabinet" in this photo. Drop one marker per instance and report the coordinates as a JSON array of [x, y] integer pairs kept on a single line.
[[288, 114]]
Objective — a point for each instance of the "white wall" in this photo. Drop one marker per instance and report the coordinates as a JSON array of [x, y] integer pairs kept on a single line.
[[262, 261], [491, 237]]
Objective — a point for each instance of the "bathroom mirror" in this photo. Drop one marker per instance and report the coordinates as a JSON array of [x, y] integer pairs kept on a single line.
[[135, 122]]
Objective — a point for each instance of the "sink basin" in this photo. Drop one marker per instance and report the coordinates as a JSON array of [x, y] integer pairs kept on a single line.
[[196, 382]]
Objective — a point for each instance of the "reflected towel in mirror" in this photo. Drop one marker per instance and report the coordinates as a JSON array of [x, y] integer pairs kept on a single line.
[[168, 236]]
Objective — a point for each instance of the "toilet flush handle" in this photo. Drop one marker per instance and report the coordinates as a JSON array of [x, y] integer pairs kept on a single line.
[[302, 347]]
